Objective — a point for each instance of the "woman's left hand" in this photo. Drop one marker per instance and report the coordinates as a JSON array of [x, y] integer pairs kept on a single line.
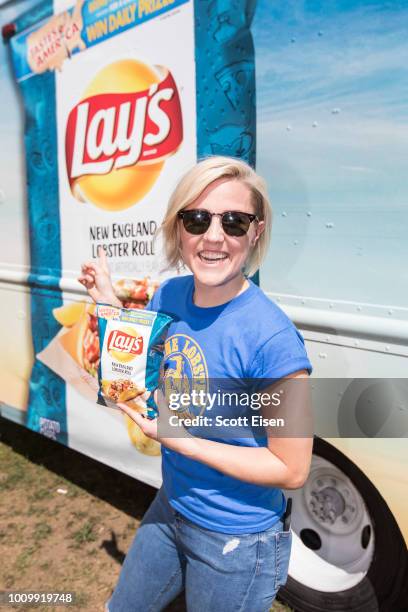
[[182, 441]]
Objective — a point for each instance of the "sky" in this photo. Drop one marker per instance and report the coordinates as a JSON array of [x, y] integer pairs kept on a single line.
[[332, 140]]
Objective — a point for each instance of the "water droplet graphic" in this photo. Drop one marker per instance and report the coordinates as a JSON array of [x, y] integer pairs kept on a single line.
[[329, 225], [315, 124], [390, 312], [296, 242], [293, 40], [309, 213], [320, 33], [288, 128], [335, 111], [322, 355], [284, 214], [2, 196]]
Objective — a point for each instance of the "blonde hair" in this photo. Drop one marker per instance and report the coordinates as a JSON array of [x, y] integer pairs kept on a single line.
[[190, 187]]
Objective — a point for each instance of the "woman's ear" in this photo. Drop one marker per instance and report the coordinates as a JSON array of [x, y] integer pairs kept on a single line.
[[259, 229]]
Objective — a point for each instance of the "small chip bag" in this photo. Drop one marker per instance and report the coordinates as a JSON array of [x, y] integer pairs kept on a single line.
[[131, 344]]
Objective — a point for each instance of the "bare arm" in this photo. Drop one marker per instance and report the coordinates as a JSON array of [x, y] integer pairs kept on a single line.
[[261, 466], [284, 463]]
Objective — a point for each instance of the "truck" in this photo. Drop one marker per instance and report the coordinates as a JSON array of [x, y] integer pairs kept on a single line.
[[310, 93]]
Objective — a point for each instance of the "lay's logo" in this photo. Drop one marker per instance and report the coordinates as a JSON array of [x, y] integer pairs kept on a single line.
[[119, 135], [124, 346]]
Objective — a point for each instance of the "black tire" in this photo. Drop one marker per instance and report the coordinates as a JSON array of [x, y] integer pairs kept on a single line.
[[385, 587]]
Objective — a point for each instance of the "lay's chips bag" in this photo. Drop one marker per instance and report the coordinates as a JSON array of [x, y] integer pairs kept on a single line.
[[131, 345]]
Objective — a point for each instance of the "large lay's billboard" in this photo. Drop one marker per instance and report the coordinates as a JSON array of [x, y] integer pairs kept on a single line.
[[120, 98]]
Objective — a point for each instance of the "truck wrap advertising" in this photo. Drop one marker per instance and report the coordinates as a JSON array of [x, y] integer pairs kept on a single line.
[[121, 98], [105, 104]]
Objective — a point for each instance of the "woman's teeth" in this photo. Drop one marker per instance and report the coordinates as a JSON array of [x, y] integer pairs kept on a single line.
[[213, 256]]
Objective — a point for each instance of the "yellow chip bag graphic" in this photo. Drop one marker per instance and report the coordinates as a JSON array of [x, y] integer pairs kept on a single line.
[[125, 344]]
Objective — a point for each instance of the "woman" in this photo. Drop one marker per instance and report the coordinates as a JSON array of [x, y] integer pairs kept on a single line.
[[216, 527]]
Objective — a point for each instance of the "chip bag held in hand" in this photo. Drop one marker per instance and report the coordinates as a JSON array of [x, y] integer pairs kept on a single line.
[[131, 344]]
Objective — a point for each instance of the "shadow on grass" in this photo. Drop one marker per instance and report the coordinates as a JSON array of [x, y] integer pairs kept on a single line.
[[121, 491]]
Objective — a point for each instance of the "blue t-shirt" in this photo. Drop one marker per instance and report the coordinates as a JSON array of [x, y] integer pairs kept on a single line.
[[248, 338]]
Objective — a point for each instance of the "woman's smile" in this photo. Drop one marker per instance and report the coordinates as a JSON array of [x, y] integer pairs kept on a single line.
[[215, 258]]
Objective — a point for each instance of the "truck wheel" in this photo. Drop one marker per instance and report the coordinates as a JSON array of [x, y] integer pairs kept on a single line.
[[347, 550]]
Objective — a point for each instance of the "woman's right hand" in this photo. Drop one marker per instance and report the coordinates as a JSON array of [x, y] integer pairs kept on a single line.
[[96, 278]]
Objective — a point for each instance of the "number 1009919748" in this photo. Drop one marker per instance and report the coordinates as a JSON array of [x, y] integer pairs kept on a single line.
[[36, 597]]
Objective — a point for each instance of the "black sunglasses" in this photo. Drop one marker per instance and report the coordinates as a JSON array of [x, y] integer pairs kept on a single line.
[[234, 223]]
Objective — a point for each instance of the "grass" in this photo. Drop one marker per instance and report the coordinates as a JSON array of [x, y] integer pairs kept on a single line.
[[86, 533], [24, 559], [41, 532], [40, 494], [65, 542], [15, 472]]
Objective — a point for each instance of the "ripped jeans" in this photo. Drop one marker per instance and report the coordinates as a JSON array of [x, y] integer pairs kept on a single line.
[[218, 571]]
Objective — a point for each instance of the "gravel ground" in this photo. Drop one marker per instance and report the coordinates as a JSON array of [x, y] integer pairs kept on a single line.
[[66, 521]]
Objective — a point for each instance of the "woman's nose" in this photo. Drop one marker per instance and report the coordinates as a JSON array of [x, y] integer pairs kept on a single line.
[[215, 233]]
